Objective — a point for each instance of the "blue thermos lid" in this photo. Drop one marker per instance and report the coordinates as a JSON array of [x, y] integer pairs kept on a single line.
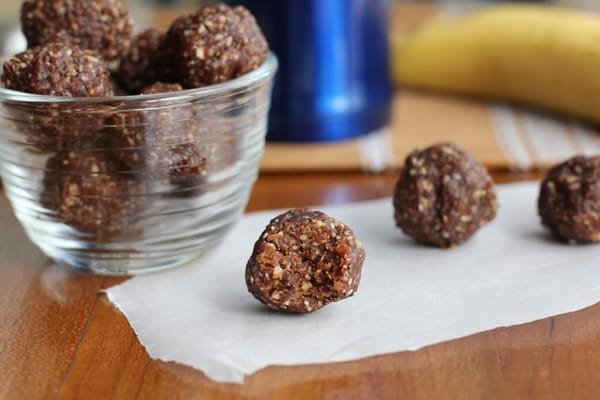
[[333, 81]]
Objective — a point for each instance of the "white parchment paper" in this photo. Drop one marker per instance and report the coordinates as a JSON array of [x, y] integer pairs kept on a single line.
[[410, 296]]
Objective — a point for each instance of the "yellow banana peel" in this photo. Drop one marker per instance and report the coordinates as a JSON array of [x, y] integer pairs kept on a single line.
[[545, 56]]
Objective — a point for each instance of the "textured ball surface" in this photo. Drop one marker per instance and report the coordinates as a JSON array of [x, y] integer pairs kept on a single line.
[[100, 25], [304, 260], [569, 200], [213, 45], [443, 196]]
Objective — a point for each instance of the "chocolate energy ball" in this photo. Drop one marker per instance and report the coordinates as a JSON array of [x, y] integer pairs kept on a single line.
[[163, 145], [443, 196], [58, 69], [138, 67], [100, 25], [213, 45], [160, 142], [143, 141], [304, 260], [89, 191], [569, 200], [140, 138], [56, 126]]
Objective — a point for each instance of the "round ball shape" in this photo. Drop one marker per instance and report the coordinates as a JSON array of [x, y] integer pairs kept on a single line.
[[569, 200], [304, 260], [100, 25], [58, 69], [213, 45], [89, 192], [443, 196]]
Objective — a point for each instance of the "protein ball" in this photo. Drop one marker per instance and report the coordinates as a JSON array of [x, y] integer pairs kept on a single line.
[[162, 144], [569, 200], [140, 137], [213, 45], [89, 191], [100, 25], [58, 69], [304, 260], [443, 196], [144, 140], [138, 66], [59, 126]]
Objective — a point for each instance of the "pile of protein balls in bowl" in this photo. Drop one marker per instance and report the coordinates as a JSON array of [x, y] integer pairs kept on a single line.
[[305, 259], [82, 50], [87, 49]]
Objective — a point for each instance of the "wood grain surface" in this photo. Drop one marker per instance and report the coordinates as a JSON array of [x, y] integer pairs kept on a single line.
[[60, 337]]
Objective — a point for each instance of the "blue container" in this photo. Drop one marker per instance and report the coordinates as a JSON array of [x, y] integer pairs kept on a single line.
[[333, 81]]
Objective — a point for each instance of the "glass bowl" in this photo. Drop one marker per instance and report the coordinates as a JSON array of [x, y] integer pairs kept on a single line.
[[132, 184]]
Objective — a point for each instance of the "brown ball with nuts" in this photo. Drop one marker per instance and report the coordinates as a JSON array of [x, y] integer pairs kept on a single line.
[[138, 66], [100, 25], [58, 69], [215, 44], [91, 192], [304, 260], [141, 139], [163, 143], [443, 196], [569, 200]]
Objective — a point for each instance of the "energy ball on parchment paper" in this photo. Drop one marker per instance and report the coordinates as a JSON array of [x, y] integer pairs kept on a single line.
[[304, 260], [89, 191], [58, 69], [215, 44], [100, 25], [569, 200], [138, 66], [443, 196]]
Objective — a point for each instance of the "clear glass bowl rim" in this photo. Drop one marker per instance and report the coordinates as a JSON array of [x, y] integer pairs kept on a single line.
[[265, 71]]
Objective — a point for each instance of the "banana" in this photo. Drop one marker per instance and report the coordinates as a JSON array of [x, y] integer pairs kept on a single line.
[[539, 55]]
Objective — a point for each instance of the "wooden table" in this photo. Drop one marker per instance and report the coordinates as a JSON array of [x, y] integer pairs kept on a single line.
[[61, 338]]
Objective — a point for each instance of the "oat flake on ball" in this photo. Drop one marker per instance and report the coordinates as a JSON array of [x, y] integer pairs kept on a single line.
[[100, 25], [443, 196], [304, 260], [569, 200]]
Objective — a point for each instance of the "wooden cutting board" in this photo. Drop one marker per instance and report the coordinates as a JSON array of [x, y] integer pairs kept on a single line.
[[418, 119]]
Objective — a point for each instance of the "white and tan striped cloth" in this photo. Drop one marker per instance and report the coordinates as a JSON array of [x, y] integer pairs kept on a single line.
[[529, 138]]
